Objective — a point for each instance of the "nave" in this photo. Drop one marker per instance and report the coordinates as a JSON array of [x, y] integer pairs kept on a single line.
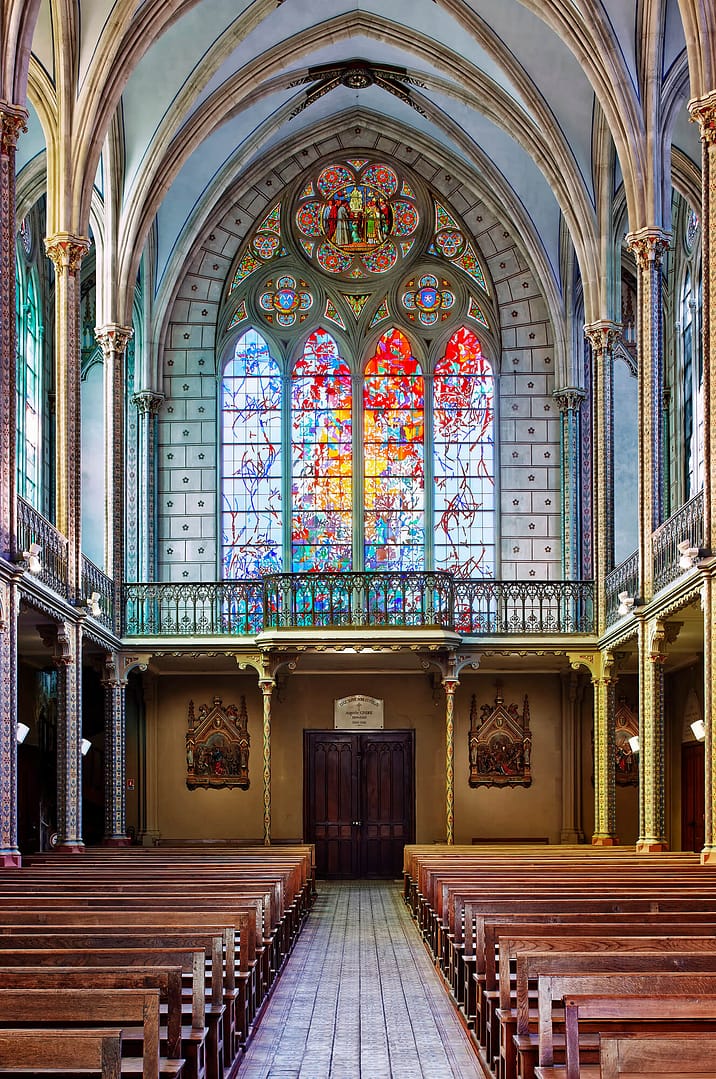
[[359, 998]]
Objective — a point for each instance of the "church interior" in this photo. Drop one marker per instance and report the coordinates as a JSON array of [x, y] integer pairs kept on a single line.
[[357, 425]]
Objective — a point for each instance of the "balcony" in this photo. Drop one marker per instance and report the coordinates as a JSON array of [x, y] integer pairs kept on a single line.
[[340, 601]]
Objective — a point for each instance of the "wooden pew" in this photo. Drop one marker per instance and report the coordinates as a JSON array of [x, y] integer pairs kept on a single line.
[[59, 1052], [658, 1056]]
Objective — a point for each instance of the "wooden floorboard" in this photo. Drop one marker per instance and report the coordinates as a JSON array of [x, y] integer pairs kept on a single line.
[[359, 998]]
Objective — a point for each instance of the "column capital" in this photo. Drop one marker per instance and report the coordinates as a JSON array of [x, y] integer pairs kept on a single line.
[[113, 338], [13, 120], [450, 685], [66, 251], [602, 334], [569, 398], [702, 111], [148, 402], [662, 634], [649, 245]]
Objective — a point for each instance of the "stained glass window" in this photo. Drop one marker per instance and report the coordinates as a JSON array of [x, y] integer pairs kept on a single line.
[[251, 460], [393, 454], [29, 389], [463, 411], [322, 458]]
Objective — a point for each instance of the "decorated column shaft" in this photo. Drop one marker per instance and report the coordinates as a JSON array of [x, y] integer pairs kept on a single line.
[[569, 402], [113, 342], [649, 247], [450, 685], [115, 763], [603, 336], [67, 640], [704, 113], [604, 755], [652, 656], [267, 689], [9, 603], [67, 252], [148, 405]]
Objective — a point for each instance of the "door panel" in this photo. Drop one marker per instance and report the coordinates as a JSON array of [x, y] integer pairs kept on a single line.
[[693, 793], [359, 801]]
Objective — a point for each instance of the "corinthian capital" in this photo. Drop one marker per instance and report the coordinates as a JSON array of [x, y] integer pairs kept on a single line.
[[649, 246], [112, 338], [703, 113], [569, 398], [148, 402], [603, 335], [13, 120], [66, 251]]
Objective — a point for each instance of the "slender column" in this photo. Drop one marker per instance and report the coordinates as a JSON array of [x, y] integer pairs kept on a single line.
[[113, 342], [450, 685], [66, 641], [267, 685], [649, 246], [704, 113], [571, 831], [602, 336], [569, 402], [67, 252], [148, 405], [115, 764], [12, 122], [604, 681], [150, 764], [652, 656], [9, 603]]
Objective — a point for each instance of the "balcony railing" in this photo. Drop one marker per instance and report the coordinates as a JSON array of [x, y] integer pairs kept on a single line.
[[686, 524], [358, 601], [95, 581], [623, 578], [32, 527]]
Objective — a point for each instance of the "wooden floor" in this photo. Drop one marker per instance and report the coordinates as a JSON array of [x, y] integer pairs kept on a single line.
[[359, 998]]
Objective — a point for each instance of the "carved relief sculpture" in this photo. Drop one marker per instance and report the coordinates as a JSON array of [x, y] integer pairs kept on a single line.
[[626, 726], [500, 744], [217, 746]]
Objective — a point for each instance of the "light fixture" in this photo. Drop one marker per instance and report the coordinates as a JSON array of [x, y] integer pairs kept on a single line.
[[32, 557], [94, 604], [634, 743], [22, 732], [626, 603], [699, 729], [85, 746], [688, 555]]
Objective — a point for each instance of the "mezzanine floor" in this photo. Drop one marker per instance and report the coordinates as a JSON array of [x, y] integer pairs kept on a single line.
[[359, 998]]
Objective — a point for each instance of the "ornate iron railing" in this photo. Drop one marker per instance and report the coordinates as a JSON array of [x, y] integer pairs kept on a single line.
[[686, 524], [358, 601], [32, 527], [623, 578], [96, 582]]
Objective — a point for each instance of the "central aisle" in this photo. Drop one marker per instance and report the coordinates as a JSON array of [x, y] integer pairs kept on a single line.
[[359, 998]]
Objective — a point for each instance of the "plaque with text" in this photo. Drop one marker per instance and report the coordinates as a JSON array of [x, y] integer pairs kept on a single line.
[[358, 713]]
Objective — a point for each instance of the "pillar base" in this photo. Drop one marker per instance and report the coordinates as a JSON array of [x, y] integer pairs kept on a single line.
[[651, 846], [10, 860], [117, 841], [605, 841], [570, 837], [708, 856], [70, 848]]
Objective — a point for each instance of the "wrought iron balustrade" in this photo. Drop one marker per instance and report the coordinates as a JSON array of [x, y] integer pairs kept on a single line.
[[358, 601], [623, 578], [32, 527], [686, 524], [95, 581]]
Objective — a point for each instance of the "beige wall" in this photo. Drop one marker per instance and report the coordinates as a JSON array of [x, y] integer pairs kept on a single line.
[[307, 702]]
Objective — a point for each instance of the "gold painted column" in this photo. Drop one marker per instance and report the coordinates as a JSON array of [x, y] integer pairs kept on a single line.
[[267, 685], [703, 112], [605, 825], [115, 759], [67, 252], [652, 656], [450, 685], [602, 337], [113, 341]]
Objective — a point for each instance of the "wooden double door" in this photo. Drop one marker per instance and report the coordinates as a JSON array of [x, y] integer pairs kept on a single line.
[[359, 801]]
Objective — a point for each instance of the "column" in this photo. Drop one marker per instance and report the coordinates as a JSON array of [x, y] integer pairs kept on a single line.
[[148, 404], [113, 341], [602, 336], [9, 604], [604, 681], [267, 685], [66, 642], [571, 830], [67, 252], [652, 656], [12, 122], [115, 822], [450, 685], [569, 401], [649, 246], [149, 764], [703, 112]]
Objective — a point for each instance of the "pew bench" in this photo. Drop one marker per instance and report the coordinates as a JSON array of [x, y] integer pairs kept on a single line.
[[658, 1056], [61, 1052]]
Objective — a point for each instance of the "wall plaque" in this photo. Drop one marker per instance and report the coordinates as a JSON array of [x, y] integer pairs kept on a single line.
[[358, 713]]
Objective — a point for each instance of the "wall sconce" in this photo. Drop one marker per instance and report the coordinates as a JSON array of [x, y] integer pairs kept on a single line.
[[634, 743], [85, 746], [21, 732], [32, 557], [699, 730], [688, 555], [626, 603]]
